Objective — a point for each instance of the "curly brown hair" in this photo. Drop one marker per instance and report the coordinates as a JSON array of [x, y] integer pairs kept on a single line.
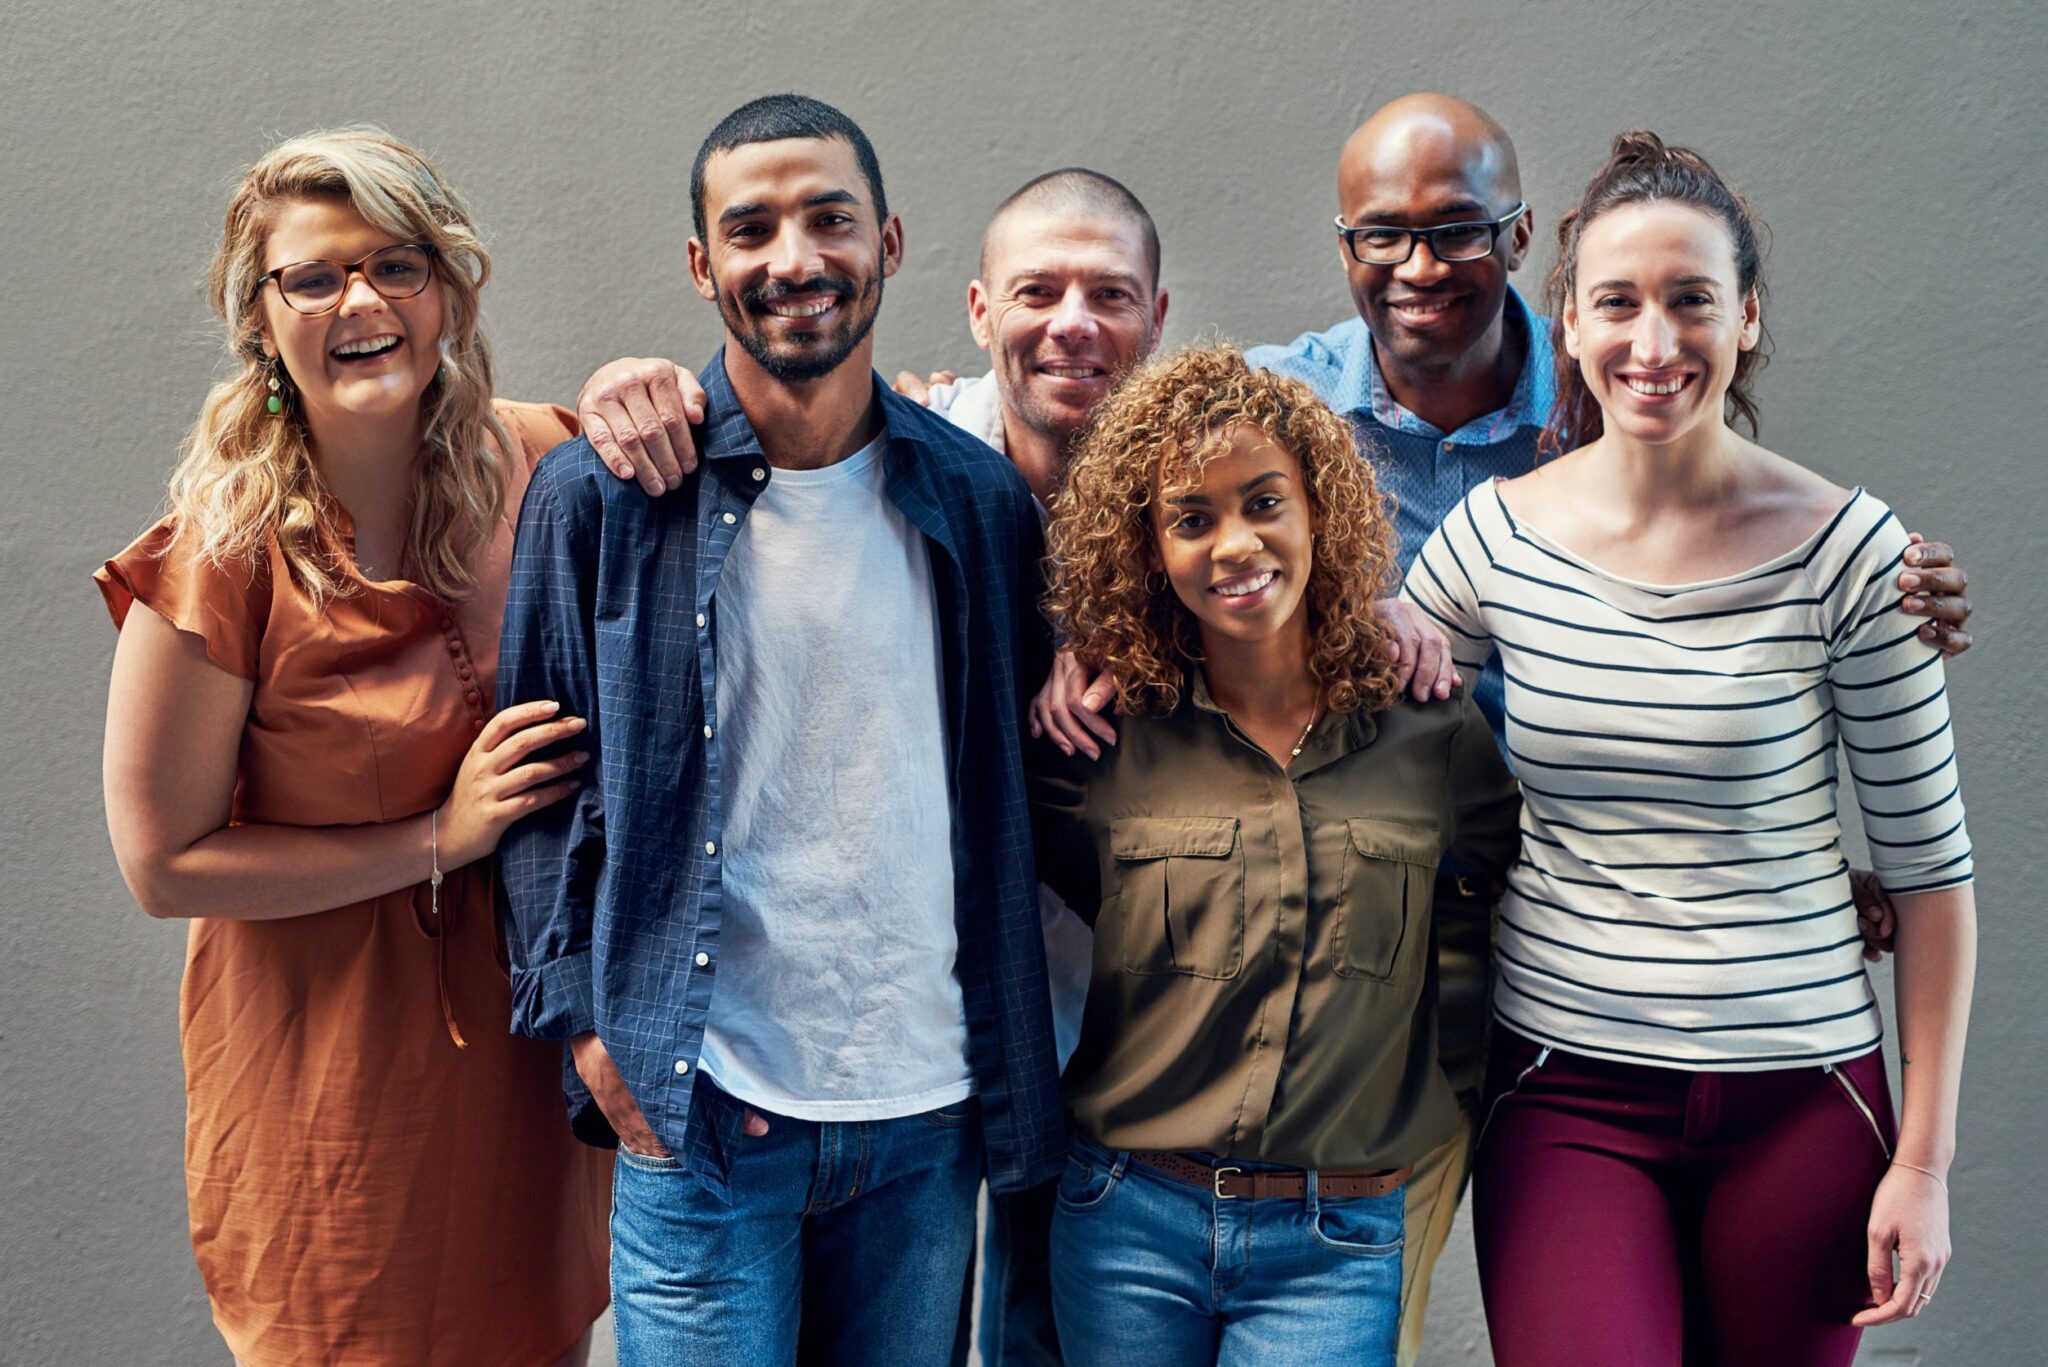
[[1152, 437]]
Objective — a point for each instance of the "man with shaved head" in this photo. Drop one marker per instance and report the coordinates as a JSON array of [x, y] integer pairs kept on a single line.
[[1068, 298]]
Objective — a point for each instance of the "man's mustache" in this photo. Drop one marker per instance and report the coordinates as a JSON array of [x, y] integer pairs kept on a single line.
[[757, 298]]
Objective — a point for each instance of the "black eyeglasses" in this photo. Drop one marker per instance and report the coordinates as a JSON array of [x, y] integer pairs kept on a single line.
[[1376, 244], [317, 286]]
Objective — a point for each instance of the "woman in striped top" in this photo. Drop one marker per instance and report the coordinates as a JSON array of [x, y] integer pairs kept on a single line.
[[1687, 1151]]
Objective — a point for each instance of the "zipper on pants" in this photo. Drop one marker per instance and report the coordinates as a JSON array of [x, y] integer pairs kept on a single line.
[[1542, 1056], [1856, 1099]]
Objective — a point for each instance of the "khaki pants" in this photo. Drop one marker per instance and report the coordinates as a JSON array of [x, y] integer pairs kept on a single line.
[[1461, 921]]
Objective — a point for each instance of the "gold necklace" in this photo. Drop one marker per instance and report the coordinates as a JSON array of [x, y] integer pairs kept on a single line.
[[1313, 717]]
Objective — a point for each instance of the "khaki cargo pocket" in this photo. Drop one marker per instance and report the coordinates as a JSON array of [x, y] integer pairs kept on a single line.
[[1389, 873], [1180, 885]]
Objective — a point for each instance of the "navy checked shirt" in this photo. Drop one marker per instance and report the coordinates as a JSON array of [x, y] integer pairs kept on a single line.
[[614, 895]]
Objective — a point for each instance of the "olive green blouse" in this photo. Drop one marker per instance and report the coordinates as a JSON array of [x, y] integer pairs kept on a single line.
[[1263, 983]]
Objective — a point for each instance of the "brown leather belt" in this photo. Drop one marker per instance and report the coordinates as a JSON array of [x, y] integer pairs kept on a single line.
[[1233, 1183]]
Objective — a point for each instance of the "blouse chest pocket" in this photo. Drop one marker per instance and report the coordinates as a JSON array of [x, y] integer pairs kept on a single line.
[[1384, 900], [1180, 885]]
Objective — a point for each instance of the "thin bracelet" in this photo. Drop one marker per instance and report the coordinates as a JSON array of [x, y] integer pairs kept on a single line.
[[1938, 1181], [434, 853]]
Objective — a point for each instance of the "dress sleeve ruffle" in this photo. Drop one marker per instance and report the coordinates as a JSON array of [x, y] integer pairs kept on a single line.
[[538, 428], [225, 606]]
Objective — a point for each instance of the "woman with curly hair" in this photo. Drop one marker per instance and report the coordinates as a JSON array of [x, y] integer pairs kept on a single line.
[[301, 759], [1257, 1068]]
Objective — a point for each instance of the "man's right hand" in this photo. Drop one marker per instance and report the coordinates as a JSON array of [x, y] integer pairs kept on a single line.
[[608, 1089], [637, 413], [920, 391]]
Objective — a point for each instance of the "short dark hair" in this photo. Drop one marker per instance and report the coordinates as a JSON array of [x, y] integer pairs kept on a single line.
[[1076, 189], [773, 118], [1643, 169]]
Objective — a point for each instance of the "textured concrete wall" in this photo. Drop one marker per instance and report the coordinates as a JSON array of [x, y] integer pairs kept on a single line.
[[1892, 146]]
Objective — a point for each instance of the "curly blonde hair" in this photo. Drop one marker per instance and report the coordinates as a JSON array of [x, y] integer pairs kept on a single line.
[[247, 475], [1152, 437]]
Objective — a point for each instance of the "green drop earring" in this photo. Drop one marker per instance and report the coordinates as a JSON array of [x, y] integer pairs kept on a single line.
[[275, 403]]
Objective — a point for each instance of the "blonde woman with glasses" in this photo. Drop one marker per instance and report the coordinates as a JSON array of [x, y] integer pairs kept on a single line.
[[302, 761]]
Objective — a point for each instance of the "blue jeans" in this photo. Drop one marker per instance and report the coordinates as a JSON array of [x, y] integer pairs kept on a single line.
[[845, 1242], [1017, 1327], [1147, 1270]]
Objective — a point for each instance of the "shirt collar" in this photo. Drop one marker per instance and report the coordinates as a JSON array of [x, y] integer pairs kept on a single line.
[[1528, 406], [1334, 737]]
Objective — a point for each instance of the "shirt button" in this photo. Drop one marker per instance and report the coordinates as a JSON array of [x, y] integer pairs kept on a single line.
[[759, 473], [682, 1066], [730, 519], [702, 958], [707, 733], [711, 847], [700, 619], [1450, 446]]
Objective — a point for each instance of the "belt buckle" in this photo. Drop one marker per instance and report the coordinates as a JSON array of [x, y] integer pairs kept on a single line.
[[1217, 1185]]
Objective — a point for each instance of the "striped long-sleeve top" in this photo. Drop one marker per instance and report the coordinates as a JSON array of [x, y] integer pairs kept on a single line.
[[1681, 897]]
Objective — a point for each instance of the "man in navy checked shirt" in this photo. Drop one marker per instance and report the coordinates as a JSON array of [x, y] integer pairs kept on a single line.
[[790, 928]]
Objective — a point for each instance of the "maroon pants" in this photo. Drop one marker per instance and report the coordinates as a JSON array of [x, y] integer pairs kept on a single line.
[[1630, 1216]]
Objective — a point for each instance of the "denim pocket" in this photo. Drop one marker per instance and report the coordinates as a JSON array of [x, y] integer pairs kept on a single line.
[[1087, 1183], [647, 1162], [1363, 1226], [954, 1116]]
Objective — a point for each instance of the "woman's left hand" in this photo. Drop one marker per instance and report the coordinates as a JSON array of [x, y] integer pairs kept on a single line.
[[1908, 1216]]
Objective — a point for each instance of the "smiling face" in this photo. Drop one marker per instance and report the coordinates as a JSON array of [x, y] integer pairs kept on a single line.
[[367, 358], [1237, 546], [1658, 318], [1428, 315], [1065, 305], [796, 253]]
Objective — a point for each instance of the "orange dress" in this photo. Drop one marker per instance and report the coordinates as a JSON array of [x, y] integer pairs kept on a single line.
[[362, 1190]]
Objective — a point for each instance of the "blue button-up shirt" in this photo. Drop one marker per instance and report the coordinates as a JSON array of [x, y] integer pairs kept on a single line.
[[615, 895], [1340, 367], [1427, 470]]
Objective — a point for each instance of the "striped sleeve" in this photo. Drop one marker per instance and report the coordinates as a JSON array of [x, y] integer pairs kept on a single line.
[[1891, 709], [1445, 578]]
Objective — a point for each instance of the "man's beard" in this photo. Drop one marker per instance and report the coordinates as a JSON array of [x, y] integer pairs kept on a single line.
[[742, 318]]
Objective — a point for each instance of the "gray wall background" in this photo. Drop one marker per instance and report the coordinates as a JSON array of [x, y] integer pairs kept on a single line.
[[1891, 145]]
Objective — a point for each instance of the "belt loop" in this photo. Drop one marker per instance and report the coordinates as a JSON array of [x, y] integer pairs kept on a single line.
[[1116, 1169], [1313, 1193]]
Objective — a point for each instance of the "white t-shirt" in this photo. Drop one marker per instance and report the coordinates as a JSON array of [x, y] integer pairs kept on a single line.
[[836, 996]]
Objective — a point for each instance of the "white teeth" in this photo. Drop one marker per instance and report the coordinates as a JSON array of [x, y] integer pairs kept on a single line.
[[1072, 372], [801, 310], [367, 345], [1244, 587], [1646, 387]]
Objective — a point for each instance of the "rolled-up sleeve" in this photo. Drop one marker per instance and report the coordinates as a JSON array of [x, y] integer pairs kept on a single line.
[[551, 860]]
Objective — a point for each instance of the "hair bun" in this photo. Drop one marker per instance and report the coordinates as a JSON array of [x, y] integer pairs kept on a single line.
[[1638, 147]]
